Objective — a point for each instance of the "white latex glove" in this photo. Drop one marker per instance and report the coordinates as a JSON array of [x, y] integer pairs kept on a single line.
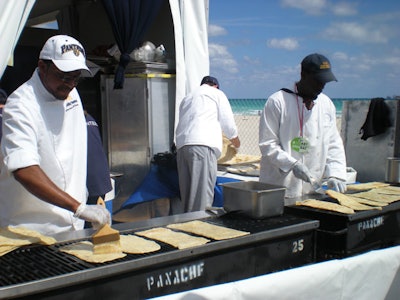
[[337, 184], [301, 172], [95, 214]]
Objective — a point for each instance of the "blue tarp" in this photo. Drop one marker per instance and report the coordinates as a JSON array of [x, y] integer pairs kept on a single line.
[[162, 182]]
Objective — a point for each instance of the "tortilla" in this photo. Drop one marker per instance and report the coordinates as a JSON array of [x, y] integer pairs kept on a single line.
[[43, 239], [129, 244], [389, 190], [84, 250], [4, 249], [208, 230], [241, 159], [12, 238], [366, 186], [9, 238], [136, 245], [325, 206], [176, 239], [228, 151], [375, 196], [370, 202], [348, 201], [246, 169]]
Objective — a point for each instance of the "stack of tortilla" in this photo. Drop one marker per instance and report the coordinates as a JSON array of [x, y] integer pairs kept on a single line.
[[367, 196]]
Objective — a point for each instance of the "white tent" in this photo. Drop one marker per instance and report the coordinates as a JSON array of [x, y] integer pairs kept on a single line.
[[13, 15], [190, 22]]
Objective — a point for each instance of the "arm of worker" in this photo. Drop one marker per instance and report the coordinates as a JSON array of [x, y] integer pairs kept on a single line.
[[39, 184], [301, 171], [335, 169], [273, 146]]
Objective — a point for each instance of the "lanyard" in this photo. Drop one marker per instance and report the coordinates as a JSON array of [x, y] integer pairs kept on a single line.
[[301, 116]]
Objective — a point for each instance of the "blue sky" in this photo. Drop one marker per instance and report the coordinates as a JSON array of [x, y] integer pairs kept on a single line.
[[256, 46]]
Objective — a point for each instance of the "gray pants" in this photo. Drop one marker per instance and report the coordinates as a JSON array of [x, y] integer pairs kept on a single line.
[[197, 171]]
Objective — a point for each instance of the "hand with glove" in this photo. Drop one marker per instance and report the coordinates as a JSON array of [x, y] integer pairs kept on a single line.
[[301, 172], [96, 214], [336, 184]]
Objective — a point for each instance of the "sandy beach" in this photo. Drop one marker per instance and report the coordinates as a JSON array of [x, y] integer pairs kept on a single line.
[[248, 133]]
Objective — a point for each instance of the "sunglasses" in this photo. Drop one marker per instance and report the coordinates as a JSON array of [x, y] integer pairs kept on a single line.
[[68, 79]]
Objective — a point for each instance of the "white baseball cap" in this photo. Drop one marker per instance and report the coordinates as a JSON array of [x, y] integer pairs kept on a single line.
[[65, 52]]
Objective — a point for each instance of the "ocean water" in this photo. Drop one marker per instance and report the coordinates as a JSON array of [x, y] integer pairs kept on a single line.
[[255, 106]]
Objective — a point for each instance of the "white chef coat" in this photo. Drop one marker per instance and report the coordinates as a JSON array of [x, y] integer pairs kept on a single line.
[[280, 124], [203, 115], [40, 130]]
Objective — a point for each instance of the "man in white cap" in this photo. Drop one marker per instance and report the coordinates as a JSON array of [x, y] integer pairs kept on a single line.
[[298, 138], [44, 146]]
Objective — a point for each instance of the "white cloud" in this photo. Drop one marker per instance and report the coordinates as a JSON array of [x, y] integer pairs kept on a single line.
[[251, 61], [341, 56], [215, 30], [355, 32], [313, 7], [344, 9], [220, 58], [319, 7], [286, 43]]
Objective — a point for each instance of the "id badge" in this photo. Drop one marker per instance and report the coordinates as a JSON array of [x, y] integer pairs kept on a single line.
[[300, 144]]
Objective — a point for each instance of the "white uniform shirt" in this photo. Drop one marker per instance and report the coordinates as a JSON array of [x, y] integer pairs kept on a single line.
[[280, 124], [40, 130], [203, 115]]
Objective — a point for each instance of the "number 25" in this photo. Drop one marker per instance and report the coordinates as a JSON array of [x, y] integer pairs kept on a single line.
[[298, 246]]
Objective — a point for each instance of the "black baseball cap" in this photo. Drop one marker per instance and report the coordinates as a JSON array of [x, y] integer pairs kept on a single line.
[[318, 65], [210, 79]]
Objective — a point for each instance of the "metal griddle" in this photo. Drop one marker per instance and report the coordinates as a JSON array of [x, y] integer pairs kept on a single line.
[[341, 235], [43, 272]]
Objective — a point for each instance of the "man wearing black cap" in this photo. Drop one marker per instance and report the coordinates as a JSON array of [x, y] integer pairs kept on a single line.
[[204, 115], [298, 137]]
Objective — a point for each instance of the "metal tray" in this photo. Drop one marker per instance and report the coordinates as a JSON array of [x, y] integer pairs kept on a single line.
[[255, 199]]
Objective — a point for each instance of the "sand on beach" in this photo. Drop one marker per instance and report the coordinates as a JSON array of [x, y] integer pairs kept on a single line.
[[248, 133]]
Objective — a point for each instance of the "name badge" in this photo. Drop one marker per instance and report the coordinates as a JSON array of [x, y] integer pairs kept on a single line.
[[300, 144]]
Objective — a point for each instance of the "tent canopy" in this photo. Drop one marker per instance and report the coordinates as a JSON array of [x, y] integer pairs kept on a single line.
[[190, 22]]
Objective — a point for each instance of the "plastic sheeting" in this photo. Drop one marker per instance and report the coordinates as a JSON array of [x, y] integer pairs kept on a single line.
[[373, 275], [13, 15], [162, 182], [190, 20]]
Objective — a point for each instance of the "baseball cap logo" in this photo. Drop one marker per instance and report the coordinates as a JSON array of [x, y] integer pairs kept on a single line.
[[76, 49], [325, 65]]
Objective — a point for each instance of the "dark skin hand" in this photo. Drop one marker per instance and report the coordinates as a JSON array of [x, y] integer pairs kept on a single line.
[[37, 183]]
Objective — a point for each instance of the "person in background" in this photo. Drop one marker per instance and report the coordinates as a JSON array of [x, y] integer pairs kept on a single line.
[[204, 115], [298, 137], [98, 180], [43, 149], [3, 99]]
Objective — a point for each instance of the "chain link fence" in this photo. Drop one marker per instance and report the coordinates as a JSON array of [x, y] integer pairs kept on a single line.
[[247, 116]]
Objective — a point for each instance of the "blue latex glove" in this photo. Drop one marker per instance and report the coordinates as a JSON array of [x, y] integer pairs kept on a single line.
[[337, 184], [301, 172]]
